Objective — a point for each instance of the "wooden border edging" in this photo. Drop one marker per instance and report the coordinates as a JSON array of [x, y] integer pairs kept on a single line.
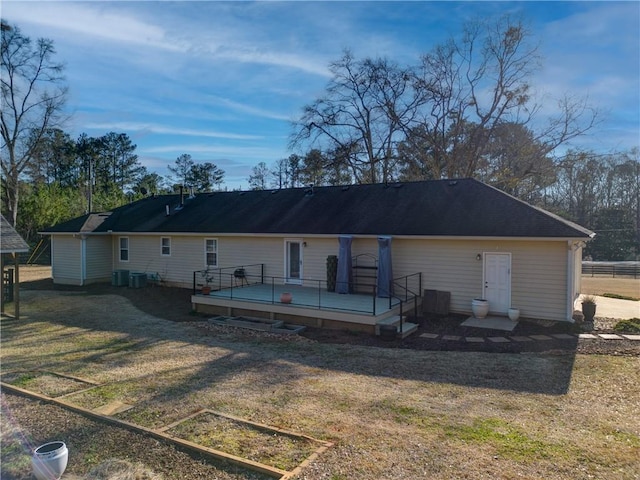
[[192, 447]]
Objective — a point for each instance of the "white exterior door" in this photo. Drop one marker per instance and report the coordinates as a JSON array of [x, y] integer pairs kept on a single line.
[[497, 281], [293, 261]]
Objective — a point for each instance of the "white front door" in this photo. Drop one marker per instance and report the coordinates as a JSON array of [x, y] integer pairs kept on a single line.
[[497, 281], [293, 261]]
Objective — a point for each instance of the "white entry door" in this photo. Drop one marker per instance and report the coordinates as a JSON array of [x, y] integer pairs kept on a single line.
[[293, 261], [497, 281]]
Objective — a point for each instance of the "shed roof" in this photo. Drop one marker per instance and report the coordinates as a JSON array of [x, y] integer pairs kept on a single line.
[[464, 207], [10, 240]]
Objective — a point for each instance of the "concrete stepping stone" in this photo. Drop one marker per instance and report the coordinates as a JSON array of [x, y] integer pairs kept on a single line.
[[474, 339], [610, 336], [518, 338], [541, 337], [453, 338], [429, 335], [499, 339], [632, 337], [563, 336], [588, 336]]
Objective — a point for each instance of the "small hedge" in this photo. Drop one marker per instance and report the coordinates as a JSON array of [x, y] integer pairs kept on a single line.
[[628, 326], [619, 297]]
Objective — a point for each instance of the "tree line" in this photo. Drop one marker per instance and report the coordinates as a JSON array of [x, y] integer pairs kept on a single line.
[[464, 109]]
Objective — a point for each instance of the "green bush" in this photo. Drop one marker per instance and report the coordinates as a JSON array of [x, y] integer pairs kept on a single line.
[[631, 325], [619, 297]]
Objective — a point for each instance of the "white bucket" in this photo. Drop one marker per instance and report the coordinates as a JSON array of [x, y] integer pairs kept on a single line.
[[49, 461]]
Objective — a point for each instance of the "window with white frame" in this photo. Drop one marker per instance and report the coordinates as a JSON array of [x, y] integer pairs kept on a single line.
[[124, 249], [165, 246], [211, 252]]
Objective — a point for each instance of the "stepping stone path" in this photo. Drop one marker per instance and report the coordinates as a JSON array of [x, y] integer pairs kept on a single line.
[[532, 338]]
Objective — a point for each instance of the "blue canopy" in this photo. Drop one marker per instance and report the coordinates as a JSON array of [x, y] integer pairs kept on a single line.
[[385, 271], [344, 276]]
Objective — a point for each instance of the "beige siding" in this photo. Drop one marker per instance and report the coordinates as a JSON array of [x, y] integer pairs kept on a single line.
[[65, 260], [538, 272], [538, 280], [187, 256], [98, 259]]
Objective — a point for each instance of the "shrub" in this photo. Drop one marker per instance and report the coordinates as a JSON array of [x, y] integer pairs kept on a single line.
[[631, 325]]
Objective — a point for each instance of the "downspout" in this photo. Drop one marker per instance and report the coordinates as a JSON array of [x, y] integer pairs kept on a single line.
[[572, 247], [83, 259]]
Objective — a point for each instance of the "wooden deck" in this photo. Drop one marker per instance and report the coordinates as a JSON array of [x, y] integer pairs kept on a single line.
[[310, 306]]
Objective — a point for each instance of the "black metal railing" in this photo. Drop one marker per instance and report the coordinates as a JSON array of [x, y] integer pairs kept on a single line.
[[407, 289], [228, 277], [234, 280]]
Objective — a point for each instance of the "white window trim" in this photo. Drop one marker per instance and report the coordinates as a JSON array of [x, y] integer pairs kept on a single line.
[[120, 249], [206, 252], [162, 246]]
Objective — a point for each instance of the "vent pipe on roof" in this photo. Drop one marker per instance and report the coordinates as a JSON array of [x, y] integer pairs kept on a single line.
[[181, 195], [167, 209]]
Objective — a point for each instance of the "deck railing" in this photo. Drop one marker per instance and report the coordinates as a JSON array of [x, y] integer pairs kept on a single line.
[[228, 277], [407, 289], [233, 281]]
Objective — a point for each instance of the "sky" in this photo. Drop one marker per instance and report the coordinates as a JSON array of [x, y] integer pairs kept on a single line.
[[222, 81]]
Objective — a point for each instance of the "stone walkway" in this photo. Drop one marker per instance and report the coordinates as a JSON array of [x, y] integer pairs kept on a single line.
[[533, 338]]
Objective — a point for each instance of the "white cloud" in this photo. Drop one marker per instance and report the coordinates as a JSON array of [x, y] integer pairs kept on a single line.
[[250, 109], [149, 128], [91, 20]]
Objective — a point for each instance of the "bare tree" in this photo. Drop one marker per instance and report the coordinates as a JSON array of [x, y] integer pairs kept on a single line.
[[475, 85], [33, 94], [367, 107]]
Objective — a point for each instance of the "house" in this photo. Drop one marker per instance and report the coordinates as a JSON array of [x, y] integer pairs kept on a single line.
[[11, 243], [457, 236]]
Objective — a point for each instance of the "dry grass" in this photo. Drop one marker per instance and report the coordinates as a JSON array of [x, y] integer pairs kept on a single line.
[[393, 413], [628, 287]]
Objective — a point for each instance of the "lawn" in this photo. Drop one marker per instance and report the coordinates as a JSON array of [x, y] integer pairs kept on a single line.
[[391, 413]]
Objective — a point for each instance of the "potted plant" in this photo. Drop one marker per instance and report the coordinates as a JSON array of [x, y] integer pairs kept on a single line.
[[514, 314], [480, 307], [588, 308], [207, 276]]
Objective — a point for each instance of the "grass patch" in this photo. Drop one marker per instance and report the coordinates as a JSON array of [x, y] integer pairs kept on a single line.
[[619, 297], [269, 447], [44, 383], [631, 325], [403, 414], [99, 396], [507, 440]]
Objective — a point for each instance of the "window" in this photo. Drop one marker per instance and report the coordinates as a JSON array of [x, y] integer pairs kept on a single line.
[[165, 246], [124, 249], [211, 252]]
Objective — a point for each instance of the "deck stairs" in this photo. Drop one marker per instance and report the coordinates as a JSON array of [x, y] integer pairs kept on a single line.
[[407, 327]]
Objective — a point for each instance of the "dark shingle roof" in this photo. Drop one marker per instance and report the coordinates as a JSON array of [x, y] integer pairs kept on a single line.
[[466, 208], [10, 240]]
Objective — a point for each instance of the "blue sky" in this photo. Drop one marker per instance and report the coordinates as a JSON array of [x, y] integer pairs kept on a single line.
[[221, 81]]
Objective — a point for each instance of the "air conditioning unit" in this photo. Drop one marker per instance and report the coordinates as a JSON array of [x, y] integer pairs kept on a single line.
[[137, 280], [120, 278]]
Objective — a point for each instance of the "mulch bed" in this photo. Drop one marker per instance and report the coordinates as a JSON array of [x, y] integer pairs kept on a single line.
[[174, 304]]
